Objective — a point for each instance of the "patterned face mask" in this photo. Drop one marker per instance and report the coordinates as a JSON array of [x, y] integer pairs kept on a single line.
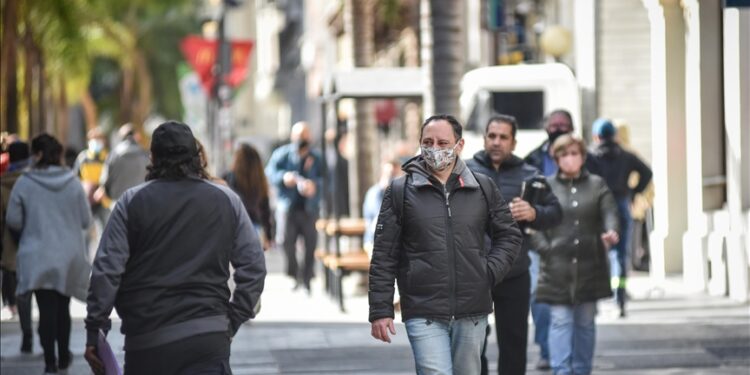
[[439, 158]]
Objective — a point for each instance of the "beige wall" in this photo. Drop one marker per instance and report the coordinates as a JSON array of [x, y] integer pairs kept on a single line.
[[624, 63]]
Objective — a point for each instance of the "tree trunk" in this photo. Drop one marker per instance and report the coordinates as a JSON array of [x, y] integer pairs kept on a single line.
[[126, 100], [359, 24], [90, 110], [28, 77], [8, 79], [61, 125], [442, 55], [142, 106]]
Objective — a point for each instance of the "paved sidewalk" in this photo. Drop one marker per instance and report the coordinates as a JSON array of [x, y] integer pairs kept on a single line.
[[668, 331]]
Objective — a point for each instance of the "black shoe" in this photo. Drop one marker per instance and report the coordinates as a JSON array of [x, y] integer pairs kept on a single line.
[[542, 364], [65, 361], [27, 346]]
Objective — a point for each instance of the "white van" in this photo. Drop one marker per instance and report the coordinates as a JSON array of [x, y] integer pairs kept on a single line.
[[527, 92]]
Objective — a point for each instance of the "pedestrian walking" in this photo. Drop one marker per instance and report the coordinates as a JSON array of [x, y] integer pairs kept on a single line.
[[88, 167], [616, 166], [248, 180], [163, 262], [574, 270], [374, 198], [430, 238], [19, 305], [557, 123], [49, 209], [296, 171], [533, 206], [125, 167]]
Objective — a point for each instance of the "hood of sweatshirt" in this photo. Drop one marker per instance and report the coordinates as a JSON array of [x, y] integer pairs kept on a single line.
[[53, 178]]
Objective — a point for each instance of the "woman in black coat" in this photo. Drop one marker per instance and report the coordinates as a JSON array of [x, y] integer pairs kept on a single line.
[[574, 263]]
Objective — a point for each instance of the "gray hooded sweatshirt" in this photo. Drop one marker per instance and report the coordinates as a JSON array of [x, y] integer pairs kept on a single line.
[[49, 208]]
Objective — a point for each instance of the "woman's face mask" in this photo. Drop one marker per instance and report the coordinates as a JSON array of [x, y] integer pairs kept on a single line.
[[95, 145], [439, 158]]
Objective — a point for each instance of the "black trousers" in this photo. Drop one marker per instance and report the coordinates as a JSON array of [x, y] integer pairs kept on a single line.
[[300, 223], [205, 354], [511, 297], [54, 327]]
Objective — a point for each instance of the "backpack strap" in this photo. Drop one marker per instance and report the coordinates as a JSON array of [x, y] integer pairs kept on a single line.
[[398, 185], [485, 184]]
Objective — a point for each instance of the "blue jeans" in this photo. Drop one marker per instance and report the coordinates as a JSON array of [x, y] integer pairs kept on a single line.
[[539, 311], [572, 337], [618, 254], [447, 347]]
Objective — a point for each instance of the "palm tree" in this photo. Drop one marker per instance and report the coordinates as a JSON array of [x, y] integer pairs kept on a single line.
[[358, 21], [442, 55]]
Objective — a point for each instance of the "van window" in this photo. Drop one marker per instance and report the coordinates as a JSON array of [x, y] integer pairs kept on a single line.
[[526, 106]]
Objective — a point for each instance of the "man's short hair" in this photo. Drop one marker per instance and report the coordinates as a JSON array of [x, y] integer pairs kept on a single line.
[[564, 141], [18, 151], [561, 112], [505, 119], [457, 128]]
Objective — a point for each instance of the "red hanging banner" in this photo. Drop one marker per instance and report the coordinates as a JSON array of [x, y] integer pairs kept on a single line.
[[201, 55]]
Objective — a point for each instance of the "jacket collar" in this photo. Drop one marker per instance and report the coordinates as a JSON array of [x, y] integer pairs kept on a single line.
[[421, 175], [582, 176], [483, 159]]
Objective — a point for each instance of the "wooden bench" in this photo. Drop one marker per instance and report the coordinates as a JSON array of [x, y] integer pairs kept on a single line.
[[338, 263], [339, 266]]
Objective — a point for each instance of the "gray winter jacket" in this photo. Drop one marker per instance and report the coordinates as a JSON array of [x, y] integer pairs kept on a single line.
[[575, 265], [125, 167], [50, 209]]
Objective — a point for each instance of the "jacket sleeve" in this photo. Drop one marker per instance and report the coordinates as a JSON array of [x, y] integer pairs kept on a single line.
[[384, 263], [505, 235], [14, 213], [109, 265], [83, 206], [275, 169], [249, 265], [540, 243], [644, 174], [608, 209], [548, 211]]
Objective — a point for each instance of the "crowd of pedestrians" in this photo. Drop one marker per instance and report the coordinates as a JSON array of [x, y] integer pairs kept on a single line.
[[452, 240]]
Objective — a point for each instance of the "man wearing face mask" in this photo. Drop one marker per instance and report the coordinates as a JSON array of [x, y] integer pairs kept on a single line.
[[557, 123], [533, 205], [430, 238], [296, 170]]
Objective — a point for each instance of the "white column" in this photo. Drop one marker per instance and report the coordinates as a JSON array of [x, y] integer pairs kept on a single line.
[[737, 125], [668, 133], [703, 106], [584, 37]]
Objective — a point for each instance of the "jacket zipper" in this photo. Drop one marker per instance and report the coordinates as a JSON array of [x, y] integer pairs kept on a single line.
[[452, 253]]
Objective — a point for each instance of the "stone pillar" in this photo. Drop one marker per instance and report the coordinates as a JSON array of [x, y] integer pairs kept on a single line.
[[668, 133], [704, 136], [737, 126], [585, 37]]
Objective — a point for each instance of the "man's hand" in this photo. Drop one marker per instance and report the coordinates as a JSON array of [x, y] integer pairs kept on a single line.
[[381, 327], [610, 238], [308, 188], [96, 364], [522, 210], [290, 179]]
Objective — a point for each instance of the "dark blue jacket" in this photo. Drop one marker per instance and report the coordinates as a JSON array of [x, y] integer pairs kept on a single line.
[[286, 159], [616, 165], [509, 178]]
